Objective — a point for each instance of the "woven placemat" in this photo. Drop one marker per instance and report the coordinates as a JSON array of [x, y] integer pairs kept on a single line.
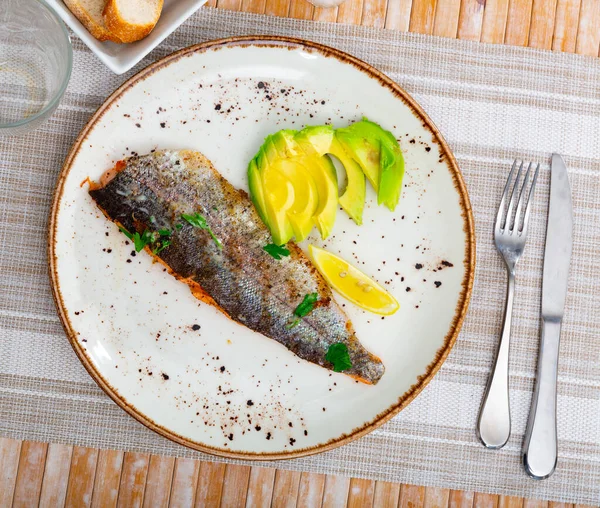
[[492, 103]]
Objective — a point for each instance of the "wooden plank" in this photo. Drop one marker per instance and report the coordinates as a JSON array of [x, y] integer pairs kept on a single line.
[[255, 6], [10, 451], [185, 482], [470, 20], [436, 498], [210, 485], [398, 14], [133, 479], [285, 488], [446, 18], [541, 30], [211, 3], [387, 494], [335, 492], [327, 14], [588, 33], [310, 491], [422, 16], [260, 487], [301, 9], [361, 493], [158, 481], [108, 477], [534, 503], [412, 496], [517, 23], [81, 477], [374, 12], [235, 485], [565, 22], [495, 16], [510, 502], [485, 500], [461, 499], [277, 7], [30, 474], [56, 475], [553, 504], [231, 5], [350, 12]]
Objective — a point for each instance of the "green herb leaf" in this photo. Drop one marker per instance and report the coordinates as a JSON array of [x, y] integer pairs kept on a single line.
[[163, 245], [276, 251], [126, 233], [164, 232], [178, 226], [140, 241], [307, 304], [338, 356], [293, 324], [198, 221]]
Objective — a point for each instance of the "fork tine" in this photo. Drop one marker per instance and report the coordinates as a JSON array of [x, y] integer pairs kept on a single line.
[[513, 199], [522, 193], [500, 217], [529, 200]]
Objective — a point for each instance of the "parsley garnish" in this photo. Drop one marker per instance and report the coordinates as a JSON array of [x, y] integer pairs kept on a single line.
[[162, 246], [178, 226], [148, 238], [198, 221], [307, 304], [338, 356], [293, 324], [276, 251]]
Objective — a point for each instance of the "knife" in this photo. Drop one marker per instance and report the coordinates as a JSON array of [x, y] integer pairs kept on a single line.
[[540, 448]]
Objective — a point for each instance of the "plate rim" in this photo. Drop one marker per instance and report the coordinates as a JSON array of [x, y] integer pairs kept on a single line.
[[466, 212]]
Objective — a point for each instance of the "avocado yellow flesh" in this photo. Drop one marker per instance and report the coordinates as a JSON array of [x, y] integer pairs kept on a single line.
[[256, 190], [314, 142], [279, 198], [305, 195], [379, 156]]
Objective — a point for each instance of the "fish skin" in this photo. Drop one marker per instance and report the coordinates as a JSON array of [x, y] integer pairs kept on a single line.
[[246, 283]]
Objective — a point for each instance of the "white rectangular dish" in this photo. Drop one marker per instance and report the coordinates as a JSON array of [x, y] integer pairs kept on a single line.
[[119, 58]]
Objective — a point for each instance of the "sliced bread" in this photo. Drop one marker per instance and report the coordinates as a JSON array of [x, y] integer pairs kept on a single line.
[[89, 13], [132, 20]]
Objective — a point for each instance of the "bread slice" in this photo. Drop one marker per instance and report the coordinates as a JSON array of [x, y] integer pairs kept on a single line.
[[132, 20], [89, 12]]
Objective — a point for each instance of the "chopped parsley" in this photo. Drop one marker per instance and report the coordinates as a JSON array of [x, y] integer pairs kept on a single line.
[[307, 305], [276, 251], [178, 226], [148, 238], [198, 221], [338, 356]]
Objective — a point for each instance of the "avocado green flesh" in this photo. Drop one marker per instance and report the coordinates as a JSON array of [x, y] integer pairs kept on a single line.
[[379, 156], [353, 198]]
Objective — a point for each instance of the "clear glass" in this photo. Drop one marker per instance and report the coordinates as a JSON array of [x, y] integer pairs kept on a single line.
[[35, 64]]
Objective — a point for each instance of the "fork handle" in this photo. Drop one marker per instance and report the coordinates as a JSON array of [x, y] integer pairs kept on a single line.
[[540, 447], [493, 426]]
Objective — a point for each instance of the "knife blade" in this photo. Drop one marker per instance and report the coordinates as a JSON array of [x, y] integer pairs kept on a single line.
[[559, 242], [540, 447]]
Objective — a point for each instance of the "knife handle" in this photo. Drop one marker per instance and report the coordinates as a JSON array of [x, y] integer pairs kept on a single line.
[[540, 448]]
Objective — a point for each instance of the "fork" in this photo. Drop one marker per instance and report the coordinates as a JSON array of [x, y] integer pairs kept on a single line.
[[493, 425]]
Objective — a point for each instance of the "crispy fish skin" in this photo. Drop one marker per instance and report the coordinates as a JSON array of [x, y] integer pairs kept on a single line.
[[153, 191]]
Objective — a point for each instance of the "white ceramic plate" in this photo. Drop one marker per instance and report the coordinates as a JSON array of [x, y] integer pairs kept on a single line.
[[119, 58], [223, 388]]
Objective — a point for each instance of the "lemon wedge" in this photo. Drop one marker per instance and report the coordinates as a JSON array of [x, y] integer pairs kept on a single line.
[[352, 284]]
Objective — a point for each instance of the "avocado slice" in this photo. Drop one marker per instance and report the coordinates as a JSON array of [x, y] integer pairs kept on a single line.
[[256, 190], [379, 156], [314, 142], [321, 140]]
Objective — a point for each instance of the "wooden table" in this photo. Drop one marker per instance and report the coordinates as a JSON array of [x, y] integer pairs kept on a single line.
[[53, 474]]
